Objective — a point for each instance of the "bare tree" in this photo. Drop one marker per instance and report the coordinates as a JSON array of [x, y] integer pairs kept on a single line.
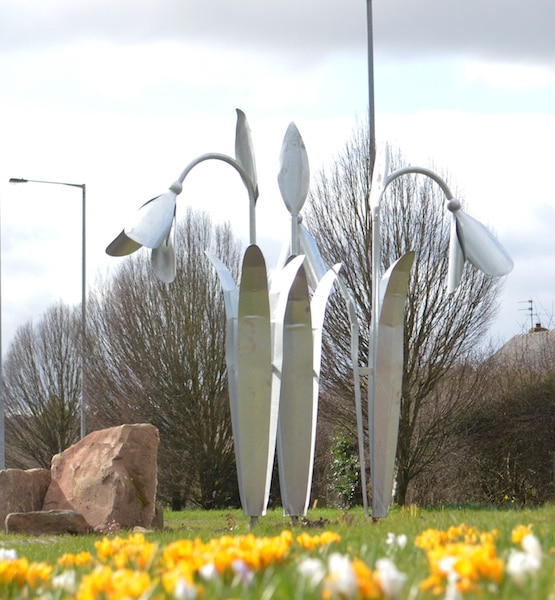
[[440, 329], [157, 354], [42, 388]]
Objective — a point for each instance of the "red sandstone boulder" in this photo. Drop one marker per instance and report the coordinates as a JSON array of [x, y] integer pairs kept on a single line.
[[110, 477], [22, 491], [51, 522]]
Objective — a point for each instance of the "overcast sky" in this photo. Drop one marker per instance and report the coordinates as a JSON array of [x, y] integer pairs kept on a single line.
[[122, 95]]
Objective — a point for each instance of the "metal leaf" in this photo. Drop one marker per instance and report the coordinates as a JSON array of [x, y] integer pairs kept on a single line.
[[294, 172], [314, 265], [255, 427], [385, 405], [297, 407], [244, 150]]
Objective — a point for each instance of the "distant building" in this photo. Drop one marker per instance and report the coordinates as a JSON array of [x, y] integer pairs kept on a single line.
[[533, 349]]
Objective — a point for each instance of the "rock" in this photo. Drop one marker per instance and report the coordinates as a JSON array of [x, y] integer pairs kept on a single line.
[[22, 491], [158, 520], [52, 522], [110, 477]]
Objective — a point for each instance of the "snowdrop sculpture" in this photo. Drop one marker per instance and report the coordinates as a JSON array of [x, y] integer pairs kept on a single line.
[[273, 336]]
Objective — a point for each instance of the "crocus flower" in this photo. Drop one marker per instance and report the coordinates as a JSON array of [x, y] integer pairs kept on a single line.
[[391, 579], [312, 569], [340, 581]]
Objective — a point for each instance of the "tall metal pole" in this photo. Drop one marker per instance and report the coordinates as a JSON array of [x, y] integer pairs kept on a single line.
[[83, 187], [83, 308], [2, 415], [371, 99]]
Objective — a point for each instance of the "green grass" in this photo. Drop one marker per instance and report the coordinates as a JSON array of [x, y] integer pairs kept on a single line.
[[360, 538]]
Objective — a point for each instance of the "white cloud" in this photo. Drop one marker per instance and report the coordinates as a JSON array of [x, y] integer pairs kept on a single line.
[[510, 76]]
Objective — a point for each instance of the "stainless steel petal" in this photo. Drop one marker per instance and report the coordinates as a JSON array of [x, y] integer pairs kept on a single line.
[[456, 259], [122, 246], [244, 150], [297, 407], [294, 172], [153, 221], [480, 247], [385, 408], [255, 435], [163, 258]]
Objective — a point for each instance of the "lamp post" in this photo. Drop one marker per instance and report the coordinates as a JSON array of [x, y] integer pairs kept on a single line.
[[83, 188]]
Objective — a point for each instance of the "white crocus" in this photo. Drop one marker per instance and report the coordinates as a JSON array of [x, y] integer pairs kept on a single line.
[[66, 581], [447, 566], [340, 581], [531, 545], [8, 554], [396, 540], [391, 579], [184, 590], [522, 565], [312, 569], [208, 572]]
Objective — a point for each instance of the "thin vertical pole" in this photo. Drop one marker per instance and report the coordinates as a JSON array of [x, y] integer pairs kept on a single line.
[[83, 312], [2, 398], [371, 100]]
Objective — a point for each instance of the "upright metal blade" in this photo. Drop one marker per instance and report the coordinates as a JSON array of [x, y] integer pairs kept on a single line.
[[384, 409], [255, 432], [297, 408]]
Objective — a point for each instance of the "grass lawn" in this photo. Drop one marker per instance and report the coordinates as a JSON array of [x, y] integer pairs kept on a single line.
[[269, 565]]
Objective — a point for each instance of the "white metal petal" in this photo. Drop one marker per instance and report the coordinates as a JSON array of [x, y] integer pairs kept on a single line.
[[294, 172], [480, 247], [163, 258], [244, 150], [153, 221], [456, 259], [385, 406], [122, 246]]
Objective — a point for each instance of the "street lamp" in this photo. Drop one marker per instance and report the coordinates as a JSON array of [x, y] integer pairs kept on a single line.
[[82, 186]]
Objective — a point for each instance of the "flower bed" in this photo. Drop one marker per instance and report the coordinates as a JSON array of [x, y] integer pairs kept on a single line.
[[460, 561]]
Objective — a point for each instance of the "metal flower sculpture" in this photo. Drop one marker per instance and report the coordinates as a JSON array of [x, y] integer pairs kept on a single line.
[[273, 337], [470, 240], [297, 343]]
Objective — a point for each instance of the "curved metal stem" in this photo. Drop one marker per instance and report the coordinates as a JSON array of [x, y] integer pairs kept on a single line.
[[244, 176], [419, 171]]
